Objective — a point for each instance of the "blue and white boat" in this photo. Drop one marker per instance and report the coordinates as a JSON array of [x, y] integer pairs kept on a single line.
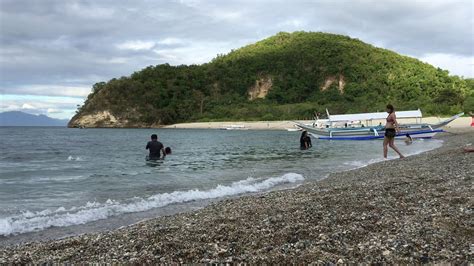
[[359, 126]]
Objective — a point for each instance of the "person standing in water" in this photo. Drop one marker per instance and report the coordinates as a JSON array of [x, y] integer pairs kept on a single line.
[[391, 129], [155, 148], [305, 141]]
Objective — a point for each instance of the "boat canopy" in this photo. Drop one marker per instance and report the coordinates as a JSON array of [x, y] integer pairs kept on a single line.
[[373, 116]]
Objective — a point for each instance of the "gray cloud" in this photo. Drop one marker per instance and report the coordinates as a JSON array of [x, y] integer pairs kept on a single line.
[[77, 43]]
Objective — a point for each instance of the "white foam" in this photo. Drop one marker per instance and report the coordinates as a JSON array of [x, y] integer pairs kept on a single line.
[[361, 163], [93, 211], [72, 158], [58, 178], [414, 150]]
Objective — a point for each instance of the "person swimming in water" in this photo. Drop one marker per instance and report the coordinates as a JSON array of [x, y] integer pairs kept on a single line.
[[305, 141], [391, 129], [155, 147]]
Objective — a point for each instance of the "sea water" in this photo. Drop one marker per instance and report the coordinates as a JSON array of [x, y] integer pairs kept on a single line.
[[56, 182]]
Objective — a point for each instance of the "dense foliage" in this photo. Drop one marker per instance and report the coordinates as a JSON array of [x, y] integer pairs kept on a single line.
[[299, 65]]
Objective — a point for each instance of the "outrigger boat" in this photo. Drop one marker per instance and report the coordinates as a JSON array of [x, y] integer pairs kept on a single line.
[[234, 127], [350, 126]]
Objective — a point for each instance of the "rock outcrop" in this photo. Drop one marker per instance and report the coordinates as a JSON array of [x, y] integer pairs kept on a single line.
[[98, 119], [332, 79], [261, 88]]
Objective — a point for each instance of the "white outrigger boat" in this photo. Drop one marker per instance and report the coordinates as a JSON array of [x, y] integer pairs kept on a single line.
[[234, 127], [350, 126]]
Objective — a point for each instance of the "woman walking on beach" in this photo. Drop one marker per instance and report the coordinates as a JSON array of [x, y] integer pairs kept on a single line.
[[391, 129]]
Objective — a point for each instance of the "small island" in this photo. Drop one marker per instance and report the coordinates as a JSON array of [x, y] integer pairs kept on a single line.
[[285, 77]]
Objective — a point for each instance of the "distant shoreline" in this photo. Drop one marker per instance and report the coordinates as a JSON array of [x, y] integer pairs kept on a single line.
[[462, 122]]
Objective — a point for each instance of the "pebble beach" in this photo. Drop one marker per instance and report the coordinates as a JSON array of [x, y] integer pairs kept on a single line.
[[419, 209]]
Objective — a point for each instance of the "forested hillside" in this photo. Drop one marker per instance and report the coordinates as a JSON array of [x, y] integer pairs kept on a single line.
[[287, 76]]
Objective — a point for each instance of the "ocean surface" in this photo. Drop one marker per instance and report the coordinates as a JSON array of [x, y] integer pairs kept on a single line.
[[56, 182]]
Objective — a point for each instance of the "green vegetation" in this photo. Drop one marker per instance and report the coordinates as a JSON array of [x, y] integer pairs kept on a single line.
[[297, 68]]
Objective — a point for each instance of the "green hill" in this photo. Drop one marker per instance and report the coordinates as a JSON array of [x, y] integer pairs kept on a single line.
[[287, 76]]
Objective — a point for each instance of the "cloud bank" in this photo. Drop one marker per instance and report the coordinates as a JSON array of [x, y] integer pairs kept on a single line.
[[55, 48]]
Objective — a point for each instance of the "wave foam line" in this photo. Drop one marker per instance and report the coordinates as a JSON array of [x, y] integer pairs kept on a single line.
[[72, 158], [93, 211]]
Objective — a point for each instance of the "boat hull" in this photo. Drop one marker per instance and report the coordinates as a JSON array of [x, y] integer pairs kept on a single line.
[[423, 134], [368, 134]]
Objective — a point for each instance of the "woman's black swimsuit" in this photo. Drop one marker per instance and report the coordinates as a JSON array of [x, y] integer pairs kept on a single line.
[[390, 132]]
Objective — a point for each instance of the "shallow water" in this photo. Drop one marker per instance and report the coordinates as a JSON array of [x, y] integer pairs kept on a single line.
[[54, 179]]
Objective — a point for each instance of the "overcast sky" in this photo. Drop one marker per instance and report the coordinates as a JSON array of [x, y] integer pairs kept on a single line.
[[52, 51]]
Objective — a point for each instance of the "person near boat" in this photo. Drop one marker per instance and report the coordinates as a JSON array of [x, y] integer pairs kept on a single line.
[[408, 139], [305, 141], [156, 148], [391, 129]]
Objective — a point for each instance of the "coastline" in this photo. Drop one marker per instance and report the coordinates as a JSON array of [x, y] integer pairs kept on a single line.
[[462, 122], [411, 210]]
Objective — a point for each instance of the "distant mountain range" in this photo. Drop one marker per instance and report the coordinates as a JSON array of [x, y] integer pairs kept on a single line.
[[17, 118]]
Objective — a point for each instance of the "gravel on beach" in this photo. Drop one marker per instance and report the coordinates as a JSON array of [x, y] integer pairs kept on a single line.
[[414, 210]]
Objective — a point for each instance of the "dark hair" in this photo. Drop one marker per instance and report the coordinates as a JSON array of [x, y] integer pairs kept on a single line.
[[168, 150], [304, 133], [390, 107], [154, 136]]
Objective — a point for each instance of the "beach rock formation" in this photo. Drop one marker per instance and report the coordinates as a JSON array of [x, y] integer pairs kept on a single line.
[[97, 119]]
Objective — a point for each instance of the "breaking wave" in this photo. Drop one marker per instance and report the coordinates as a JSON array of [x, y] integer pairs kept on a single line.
[[93, 211]]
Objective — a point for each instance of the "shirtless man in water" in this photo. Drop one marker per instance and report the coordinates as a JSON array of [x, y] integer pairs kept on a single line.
[[391, 129]]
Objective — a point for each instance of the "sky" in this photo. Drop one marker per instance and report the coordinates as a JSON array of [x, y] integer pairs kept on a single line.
[[53, 51]]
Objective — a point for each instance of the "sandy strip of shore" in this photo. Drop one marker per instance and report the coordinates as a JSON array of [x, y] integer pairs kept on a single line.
[[462, 122], [418, 209]]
